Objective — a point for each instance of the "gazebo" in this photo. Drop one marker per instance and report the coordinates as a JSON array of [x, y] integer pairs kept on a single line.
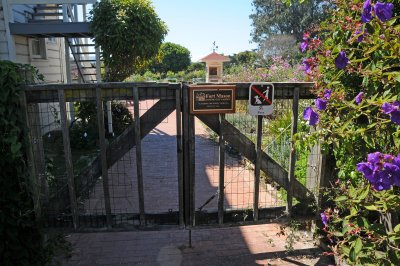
[[214, 66]]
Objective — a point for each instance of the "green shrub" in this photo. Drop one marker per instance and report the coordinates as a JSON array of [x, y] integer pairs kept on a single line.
[[354, 59], [21, 239]]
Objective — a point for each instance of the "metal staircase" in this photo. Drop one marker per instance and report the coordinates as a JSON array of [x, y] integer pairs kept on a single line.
[[58, 18], [82, 50]]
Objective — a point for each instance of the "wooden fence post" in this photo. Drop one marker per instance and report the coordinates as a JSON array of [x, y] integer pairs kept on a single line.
[[179, 154], [35, 173], [103, 156], [68, 158], [292, 158], [257, 168], [221, 184], [139, 166]]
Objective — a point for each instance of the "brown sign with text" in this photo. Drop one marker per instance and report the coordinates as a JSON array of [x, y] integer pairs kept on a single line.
[[212, 99]]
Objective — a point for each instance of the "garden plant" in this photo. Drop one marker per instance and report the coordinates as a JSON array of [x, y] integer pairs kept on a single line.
[[353, 57]]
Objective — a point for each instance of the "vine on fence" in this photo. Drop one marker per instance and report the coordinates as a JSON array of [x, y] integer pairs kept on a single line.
[[21, 240]]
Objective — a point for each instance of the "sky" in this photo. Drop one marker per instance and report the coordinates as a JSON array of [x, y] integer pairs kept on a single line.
[[196, 24]]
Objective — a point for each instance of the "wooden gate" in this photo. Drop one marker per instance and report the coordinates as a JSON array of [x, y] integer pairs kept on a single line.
[[129, 177]]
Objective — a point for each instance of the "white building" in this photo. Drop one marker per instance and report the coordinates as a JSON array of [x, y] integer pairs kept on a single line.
[[49, 34]]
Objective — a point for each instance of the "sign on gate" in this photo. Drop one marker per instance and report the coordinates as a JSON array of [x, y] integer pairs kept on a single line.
[[212, 99], [261, 98]]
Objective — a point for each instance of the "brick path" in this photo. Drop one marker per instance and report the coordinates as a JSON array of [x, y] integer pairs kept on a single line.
[[244, 245], [160, 176]]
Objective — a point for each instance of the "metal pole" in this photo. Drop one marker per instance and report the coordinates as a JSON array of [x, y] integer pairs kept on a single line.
[[292, 158], [257, 168]]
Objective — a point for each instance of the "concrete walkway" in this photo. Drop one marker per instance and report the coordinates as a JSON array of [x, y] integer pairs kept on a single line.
[[244, 245]]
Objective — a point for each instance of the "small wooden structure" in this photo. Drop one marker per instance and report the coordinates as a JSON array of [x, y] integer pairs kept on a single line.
[[214, 66]]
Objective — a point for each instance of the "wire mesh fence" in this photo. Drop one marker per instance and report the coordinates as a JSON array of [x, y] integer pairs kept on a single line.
[[145, 180]]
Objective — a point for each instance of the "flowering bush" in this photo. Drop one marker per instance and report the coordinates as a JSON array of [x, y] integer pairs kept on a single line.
[[354, 60], [279, 70]]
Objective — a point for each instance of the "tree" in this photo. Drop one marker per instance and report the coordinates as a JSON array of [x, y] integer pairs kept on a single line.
[[273, 17], [174, 57], [284, 46], [244, 58], [129, 33]]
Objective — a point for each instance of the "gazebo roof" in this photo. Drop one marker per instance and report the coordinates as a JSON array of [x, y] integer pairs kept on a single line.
[[215, 57]]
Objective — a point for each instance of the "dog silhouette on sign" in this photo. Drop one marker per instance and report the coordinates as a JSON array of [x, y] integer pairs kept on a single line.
[[257, 100]]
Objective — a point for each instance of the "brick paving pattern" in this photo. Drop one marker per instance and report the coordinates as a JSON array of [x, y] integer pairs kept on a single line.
[[244, 245], [160, 176]]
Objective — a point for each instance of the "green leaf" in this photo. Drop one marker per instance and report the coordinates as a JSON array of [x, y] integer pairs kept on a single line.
[[352, 255], [358, 246], [15, 147], [371, 207], [364, 193], [341, 198], [397, 228]]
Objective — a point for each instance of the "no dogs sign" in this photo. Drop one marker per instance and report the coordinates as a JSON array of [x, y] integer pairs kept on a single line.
[[261, 98]]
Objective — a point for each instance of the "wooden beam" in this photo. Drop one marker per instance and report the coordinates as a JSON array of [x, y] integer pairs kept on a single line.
[[103, 157], [257, 167], [247, 148], [126, 141], [292, 158], [139, 166], [68, 159], [221, 159]]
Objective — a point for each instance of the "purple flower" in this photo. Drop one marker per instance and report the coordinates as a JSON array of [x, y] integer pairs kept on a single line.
[[374, 158], [307, 66], [395, 117], [361, 37], [366, 15], [341, 60], [384, 11], [393, 110], [324, 218], [381, 170], [310, 115], [365, 168], [396, 160], [388, 157], [359, 98], [303, 46], [387, 108], [327, 94], [320, 104]]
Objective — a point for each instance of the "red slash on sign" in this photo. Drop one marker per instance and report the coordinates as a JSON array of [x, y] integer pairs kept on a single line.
[[253, 88]]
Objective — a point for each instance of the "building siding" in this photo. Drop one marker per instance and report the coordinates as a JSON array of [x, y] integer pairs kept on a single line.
[[3, 39]]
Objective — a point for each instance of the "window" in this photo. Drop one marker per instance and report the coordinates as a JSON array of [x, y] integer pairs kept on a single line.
[[213, 71], [38, 48], [52, 40]]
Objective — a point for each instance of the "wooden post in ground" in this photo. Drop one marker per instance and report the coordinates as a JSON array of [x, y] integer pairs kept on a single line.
[[68, 158], [139, 166], [180, 156], [221, 184], [256, 194], [292, 158], [34, 174], [103, 155], [192, 169]]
